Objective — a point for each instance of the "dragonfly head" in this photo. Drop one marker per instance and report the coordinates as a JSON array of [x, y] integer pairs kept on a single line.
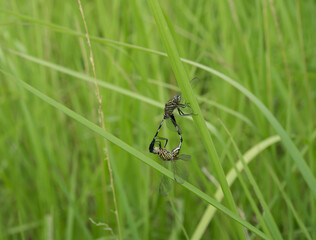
[[177, 98]]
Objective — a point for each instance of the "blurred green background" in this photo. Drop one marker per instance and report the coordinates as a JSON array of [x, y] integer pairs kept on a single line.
[[54, 176]]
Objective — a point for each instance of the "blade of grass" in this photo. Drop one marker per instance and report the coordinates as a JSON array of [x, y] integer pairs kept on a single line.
[[127, 208], [179, 219], [184, 84], [231, 177], [251, 199], [288, 202], [269, 220], [93, 127]]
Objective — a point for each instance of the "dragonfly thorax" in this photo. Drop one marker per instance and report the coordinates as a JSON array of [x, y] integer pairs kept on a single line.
[[171, 105]]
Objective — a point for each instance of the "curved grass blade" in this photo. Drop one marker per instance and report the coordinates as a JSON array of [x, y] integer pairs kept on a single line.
[[268, 217], [231, 177]]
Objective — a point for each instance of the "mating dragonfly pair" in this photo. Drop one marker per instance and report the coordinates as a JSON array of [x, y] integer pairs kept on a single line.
[[173, 156]]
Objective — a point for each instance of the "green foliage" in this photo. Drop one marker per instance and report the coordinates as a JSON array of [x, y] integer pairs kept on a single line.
[[54, 180]]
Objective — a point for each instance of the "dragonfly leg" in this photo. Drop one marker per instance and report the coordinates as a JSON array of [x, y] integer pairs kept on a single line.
[[154, 141], [162, 138], [183, 105], [184, 114]]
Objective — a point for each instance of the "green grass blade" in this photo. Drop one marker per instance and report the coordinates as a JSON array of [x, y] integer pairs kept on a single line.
[[288, 203], [269, 220], [231, 177], [184, 84]]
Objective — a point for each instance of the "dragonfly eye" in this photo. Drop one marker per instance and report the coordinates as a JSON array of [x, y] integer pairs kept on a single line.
[[177, 98]]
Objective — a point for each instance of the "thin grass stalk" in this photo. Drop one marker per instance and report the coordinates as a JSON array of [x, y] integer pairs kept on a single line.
[[101, 122]]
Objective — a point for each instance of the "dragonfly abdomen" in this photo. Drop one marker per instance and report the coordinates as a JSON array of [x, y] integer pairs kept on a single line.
[[168, 155]]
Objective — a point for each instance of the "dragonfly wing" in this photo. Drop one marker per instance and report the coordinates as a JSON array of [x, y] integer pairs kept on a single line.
[[194, 82], [165, 183], [184, 157], [180, 171]]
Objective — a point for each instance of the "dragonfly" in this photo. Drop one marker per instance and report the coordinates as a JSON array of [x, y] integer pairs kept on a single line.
[[175, 158], [172, 156], [174, 103]]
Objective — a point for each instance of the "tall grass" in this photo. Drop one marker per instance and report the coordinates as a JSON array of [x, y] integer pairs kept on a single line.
[[54, 182]]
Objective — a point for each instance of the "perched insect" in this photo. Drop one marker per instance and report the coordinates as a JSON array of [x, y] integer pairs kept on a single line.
[[170, 106], [174, 103], [174, 157]]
